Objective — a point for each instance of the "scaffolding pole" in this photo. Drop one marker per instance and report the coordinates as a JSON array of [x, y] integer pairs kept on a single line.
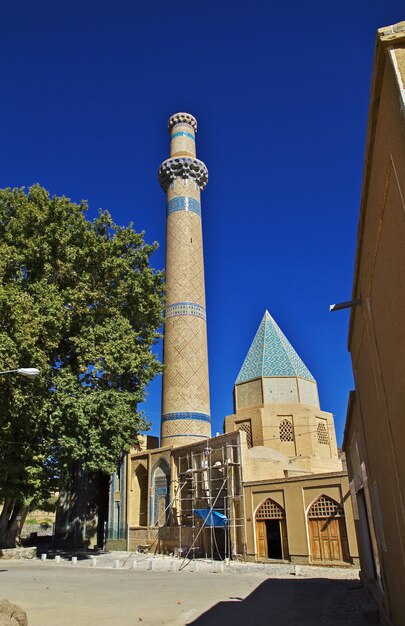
[[214, 484]]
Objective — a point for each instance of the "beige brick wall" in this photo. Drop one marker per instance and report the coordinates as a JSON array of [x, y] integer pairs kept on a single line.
[[314, 451], [295, 496], [377, 330]]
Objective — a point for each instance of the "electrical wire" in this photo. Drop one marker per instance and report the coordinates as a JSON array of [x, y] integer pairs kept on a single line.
[[274, 438]]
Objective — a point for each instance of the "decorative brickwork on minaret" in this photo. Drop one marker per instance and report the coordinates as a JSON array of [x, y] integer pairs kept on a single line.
[[185, 399]]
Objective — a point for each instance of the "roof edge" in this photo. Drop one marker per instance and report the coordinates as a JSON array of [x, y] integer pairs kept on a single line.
[[251, 380], [302, 477], [392, 33], [348, 421]]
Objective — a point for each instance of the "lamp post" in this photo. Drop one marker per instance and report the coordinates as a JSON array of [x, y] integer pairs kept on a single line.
[[28, 372]]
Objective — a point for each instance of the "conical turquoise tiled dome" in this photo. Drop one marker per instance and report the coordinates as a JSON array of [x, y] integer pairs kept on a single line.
[[271, 354]]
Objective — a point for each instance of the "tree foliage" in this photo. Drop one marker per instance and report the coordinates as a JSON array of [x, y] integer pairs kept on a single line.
[[79, 300]]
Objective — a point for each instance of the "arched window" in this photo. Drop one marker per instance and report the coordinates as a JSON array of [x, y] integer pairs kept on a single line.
[[160, 494], [286, 430], [141, 495]]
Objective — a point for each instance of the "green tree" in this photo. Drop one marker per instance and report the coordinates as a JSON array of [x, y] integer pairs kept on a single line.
[[79, 300]]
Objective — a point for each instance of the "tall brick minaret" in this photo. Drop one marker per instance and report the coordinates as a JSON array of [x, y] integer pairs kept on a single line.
[[185, 399]]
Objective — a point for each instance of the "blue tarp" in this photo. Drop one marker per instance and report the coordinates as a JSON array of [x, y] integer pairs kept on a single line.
[[215, 518]]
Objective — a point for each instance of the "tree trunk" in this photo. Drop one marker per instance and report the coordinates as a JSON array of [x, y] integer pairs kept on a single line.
[[12, 520], [82, 510]]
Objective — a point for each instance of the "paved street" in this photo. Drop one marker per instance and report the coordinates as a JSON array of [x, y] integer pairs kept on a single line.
[[63, 594]]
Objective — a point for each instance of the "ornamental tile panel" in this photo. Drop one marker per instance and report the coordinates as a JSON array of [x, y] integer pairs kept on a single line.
[[186, 415], [185, 308], [183, 203], [184, 187]]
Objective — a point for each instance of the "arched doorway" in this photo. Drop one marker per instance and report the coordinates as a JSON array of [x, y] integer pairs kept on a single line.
[[160, 494], [141, 495], [271, 531], [327, 531]]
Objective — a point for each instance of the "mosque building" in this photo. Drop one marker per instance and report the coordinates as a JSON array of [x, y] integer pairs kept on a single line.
[[272, 485]]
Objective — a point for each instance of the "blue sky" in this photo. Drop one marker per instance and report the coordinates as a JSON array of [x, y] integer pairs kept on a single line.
[[280, 91]]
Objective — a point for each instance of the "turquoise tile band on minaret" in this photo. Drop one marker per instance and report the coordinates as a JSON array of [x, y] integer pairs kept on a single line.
[[185, 308], [183, 203], [188, 435], [186, 415], [182, 134]]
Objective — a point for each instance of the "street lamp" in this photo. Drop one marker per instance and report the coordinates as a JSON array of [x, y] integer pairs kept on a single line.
[[28, 372]]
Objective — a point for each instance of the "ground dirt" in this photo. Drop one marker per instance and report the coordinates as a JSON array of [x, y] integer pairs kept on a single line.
[[63, 594]]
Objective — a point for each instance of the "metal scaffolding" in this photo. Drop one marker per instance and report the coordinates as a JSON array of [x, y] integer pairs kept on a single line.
[[209, 506]]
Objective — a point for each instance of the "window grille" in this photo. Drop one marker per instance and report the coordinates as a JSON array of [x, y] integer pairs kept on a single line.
[[322, 433], [247, 428], [326, 507], [286, 430], [270, 510]]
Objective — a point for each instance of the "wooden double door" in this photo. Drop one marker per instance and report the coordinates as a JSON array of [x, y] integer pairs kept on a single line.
[[328, 539], [271, 538]]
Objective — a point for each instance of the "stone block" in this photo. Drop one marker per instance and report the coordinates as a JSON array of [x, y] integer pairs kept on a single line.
[[12, 615], [18, 553]]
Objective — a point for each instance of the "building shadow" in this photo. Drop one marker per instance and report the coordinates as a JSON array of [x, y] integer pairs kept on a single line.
[[81, 555], [303, 601]]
